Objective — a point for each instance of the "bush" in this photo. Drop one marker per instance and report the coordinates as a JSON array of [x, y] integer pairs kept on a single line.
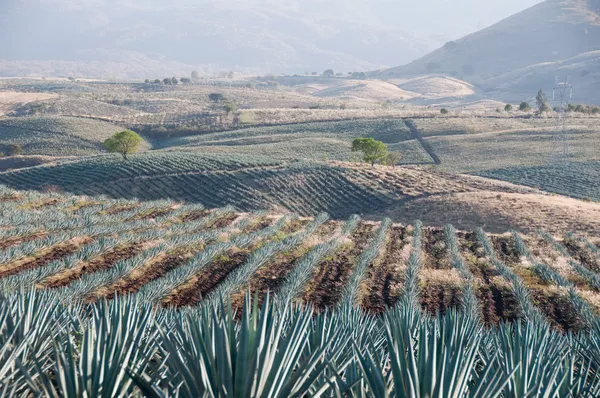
[[444, 111], [216, 97], [508, 107], [524, 107]]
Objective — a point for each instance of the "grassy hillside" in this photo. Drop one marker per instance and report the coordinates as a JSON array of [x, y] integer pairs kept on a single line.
[[252, 183], [57, 136], [319, 140]]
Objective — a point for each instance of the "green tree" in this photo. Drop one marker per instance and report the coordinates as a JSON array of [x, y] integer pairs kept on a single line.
[[372, 150], [174, 80], [329, 73], [216, 97], [167, 81], [524, 107], [230, 107], [125, 142], [444, 111], [508, 107], [157, 81], [147, 81], [393, 158], [185, 80]]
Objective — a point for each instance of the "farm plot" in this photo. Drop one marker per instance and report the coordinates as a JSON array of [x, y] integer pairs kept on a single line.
[[56, 135], [179, 274]]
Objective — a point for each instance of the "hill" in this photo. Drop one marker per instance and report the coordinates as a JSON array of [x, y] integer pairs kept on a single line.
[[57, 135], [514, 58], [250, 183]]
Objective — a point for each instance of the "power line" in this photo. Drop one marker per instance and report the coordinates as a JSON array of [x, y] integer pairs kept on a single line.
[[560, 142]]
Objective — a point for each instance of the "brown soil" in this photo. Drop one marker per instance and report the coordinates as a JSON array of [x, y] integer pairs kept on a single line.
[[326, 287], [438, 298], [17, 240], [582, 255], [195, 215], [151, 215], [386, 278], [505, 249], [497, 301], [44, 257], [132, 282], [558, 310], [97, 264], [204, 283], [435, 254], [222, 222], [271, 275]]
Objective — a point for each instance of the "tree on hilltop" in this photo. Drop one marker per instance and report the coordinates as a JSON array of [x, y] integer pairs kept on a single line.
[[372, 149], [524, 107], [125, 142]]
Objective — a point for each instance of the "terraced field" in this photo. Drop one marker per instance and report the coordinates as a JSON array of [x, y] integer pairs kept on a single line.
[[82, 251], [317, 140], [57, 135]]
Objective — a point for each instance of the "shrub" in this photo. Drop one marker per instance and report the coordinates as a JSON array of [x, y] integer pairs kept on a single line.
[[444, 111], [216, 97], [508, 107], [524, 107]]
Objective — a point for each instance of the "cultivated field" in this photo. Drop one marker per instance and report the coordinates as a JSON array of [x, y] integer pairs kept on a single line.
[[166, 256], [251, 183]]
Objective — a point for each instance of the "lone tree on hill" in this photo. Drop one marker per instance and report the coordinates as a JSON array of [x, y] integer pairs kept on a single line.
[[372, 150], [508, 108], [125, 142], [524, 107], [542, 102]]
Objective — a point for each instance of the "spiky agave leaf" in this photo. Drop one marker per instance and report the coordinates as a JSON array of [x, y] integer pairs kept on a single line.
[[265, 355], [120, 335]]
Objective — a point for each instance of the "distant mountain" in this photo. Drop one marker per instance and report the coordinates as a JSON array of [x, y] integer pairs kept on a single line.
[[514, 58], [145, 38]]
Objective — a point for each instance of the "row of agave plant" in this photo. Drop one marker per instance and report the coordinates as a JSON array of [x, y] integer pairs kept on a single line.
[[128, 348]]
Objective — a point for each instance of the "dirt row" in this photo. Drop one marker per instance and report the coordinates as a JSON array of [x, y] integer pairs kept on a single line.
[[332, 273], [383, 283]]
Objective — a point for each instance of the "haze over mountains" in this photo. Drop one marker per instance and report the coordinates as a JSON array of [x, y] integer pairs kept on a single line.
[[134, 38], [514, 58]]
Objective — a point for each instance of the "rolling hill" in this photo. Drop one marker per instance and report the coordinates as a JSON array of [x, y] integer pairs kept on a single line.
[[523, 53]]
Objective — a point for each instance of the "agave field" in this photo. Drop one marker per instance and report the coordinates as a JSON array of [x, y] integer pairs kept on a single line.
[[56, 136], [109, 297]]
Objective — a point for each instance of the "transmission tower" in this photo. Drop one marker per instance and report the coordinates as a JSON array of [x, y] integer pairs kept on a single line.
[[563, 91]]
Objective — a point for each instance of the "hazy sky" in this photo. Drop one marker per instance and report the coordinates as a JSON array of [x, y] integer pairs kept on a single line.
[[274, 34]]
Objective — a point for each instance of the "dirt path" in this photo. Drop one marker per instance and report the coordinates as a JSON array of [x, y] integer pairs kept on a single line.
[[326, 287], [384, 280], [497, 301], [102, 262], [414, 132]]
